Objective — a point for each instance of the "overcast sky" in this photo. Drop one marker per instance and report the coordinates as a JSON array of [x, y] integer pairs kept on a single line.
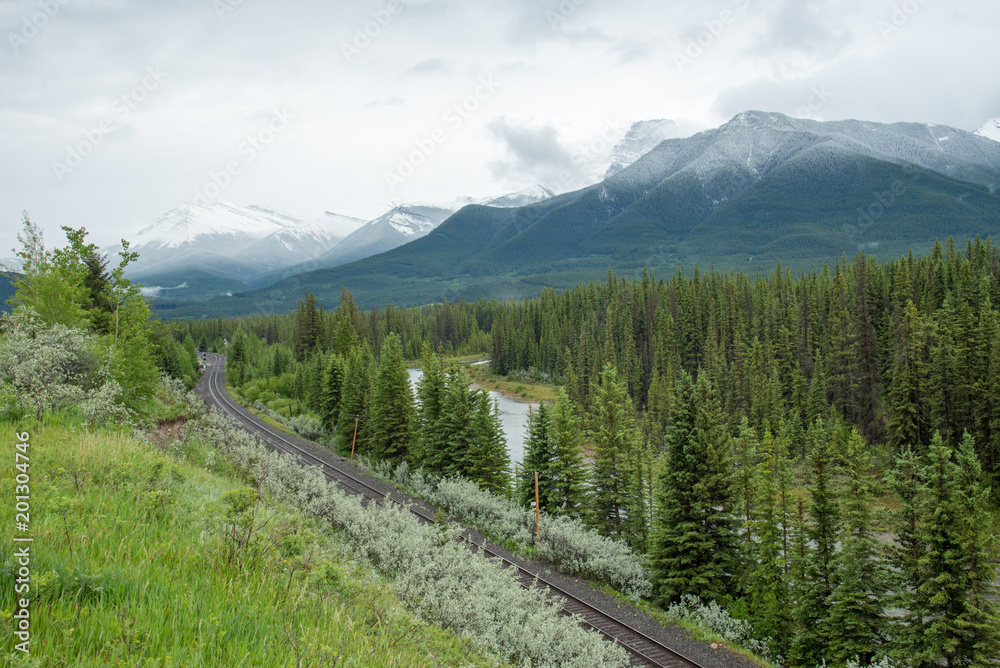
[[113, 112]]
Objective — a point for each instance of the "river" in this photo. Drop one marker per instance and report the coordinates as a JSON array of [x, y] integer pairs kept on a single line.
[[513, 418]]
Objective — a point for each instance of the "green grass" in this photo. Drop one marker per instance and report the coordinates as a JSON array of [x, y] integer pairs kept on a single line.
[[143, 560]]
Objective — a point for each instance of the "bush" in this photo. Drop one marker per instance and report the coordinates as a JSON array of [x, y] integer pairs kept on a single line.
[[714, 618], [565, 542]]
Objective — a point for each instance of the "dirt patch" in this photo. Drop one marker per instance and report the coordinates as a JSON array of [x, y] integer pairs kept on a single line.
[[167, 431]]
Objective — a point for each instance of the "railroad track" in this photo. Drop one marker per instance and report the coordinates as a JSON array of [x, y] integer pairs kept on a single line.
[[643, 650]]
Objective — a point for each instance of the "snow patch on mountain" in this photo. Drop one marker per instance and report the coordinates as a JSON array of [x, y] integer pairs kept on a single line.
[[185, 224], [523, 197], [640, 139], [991, 130]]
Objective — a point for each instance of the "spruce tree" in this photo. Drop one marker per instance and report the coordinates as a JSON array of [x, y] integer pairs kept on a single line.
[[768, 584], [450, 454], [810, 644], [431, 397], [694, 545], [539, 455], [905, 419], [960, 625], [489, 465], [857, 614], [613, 443], [333, 385], [392, 413], [905, 556], [567, 472], [355, 398]]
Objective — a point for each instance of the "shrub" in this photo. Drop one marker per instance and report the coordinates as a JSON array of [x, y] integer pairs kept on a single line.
[[714, 618], [565, 542]]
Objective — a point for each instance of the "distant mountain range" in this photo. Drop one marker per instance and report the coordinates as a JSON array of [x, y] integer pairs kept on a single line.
[[761, 188], [194, 253]]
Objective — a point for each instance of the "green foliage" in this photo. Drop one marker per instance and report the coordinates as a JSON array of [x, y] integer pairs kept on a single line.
[[611, 498], [694, 548], [861, 580], [952, 572], [51, 282], [129, 543], [392, 412]]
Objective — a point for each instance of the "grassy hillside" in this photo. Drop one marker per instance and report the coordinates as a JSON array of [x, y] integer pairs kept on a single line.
[[142, 557]]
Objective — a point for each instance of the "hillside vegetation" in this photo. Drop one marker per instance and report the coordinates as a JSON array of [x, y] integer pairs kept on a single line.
[[143, 557]]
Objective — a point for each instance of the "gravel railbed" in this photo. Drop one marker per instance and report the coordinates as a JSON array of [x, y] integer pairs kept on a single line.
[[670, 635]]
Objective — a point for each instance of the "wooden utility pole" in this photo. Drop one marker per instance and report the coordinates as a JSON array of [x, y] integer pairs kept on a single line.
[[356, 418], [538, 524]]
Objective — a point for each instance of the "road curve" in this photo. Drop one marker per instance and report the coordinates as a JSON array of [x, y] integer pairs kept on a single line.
[[604, 616]]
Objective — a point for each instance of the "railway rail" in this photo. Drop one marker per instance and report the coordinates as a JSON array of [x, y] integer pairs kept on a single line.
[[643, 649]]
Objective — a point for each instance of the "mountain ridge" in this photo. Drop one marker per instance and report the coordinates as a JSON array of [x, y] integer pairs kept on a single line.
[[762, 187]]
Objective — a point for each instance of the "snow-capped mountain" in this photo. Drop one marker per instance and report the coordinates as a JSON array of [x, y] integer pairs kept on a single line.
[[187, 224], [523, 197], [991, 130], [227, 246], [409, 222], [640, 139], [199, 252], [292, 245], [394, 228]]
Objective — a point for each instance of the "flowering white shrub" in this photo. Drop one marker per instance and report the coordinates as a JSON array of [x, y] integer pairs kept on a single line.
[[49, 367], [565, 542], [104, 406], [713, 617], [447, 583]]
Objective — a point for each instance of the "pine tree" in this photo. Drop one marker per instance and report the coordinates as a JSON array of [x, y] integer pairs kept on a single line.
[[694, 546], [613, 444], [857, 616], [355, 401], [333, 385], [810, 644], [539, 455], [431, 397], [768, 590], [960, 626], [489, 462], [567, 472], [392, 413]]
